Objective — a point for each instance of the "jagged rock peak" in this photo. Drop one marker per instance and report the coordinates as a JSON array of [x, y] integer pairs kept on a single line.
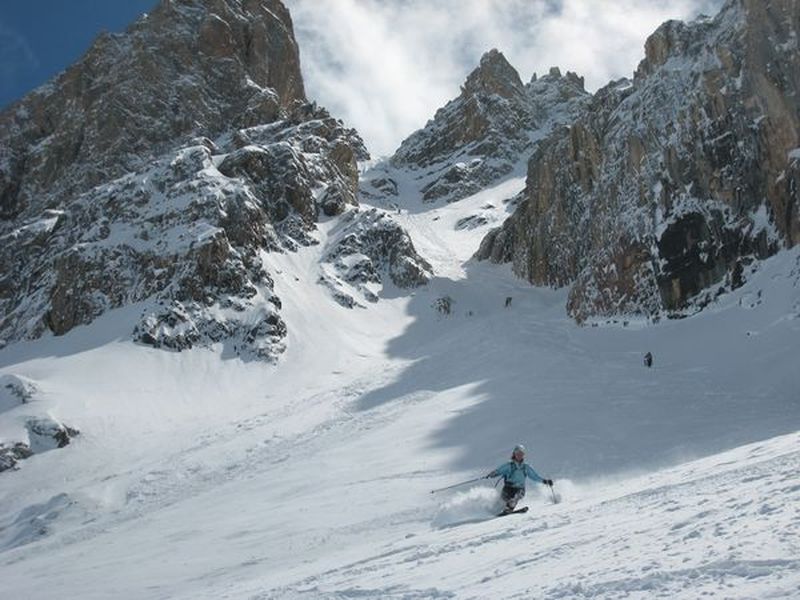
[[675, 39], [554, 75], [494, 75], [483, 133]]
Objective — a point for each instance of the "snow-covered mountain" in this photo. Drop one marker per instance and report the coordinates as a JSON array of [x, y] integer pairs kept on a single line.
[[667, 188], [483, 134], [160, 168], [238, 356], [199, 477]]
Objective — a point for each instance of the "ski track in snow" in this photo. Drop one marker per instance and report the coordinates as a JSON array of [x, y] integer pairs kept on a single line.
[[201, 477], [663, 540]]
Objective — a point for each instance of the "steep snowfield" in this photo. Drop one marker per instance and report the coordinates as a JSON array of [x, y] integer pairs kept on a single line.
[[198, 475]]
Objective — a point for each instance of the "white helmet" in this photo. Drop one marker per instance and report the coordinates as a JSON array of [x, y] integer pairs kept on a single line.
[[519, 448]]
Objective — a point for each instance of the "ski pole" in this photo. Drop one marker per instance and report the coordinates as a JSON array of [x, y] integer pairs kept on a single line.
[[450, 487], [553, 494]]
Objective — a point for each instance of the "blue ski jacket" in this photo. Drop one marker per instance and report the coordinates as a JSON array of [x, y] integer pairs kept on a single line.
[[514, 473]]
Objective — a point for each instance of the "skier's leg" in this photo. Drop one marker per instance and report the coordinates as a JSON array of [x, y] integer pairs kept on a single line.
[[518, 495], [507, 495], [511, 496]]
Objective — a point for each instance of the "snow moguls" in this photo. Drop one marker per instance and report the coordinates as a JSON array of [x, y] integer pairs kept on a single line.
[[38, 521]]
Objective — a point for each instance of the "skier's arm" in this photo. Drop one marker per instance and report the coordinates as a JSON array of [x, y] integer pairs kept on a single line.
[[501, 471], [533, 474]]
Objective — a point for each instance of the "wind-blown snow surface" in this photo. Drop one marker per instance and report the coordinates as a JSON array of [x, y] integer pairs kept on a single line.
[[198, 476]]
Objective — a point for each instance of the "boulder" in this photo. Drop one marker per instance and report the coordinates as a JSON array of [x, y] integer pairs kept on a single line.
[[45, 434]]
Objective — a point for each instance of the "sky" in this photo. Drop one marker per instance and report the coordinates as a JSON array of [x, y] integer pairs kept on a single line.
[[383, 66], [40, 38], [386, 66]]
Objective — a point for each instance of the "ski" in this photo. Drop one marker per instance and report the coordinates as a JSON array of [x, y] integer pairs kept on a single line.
[[524, 509]]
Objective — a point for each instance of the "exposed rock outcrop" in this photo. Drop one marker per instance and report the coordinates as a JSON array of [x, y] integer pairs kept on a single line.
[[367, 250], [15, 390], [46, 434], [29, 429], [11, 455], [43, 434], [655, 199]]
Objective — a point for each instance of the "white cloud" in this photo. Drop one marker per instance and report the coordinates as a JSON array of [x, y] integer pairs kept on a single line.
[[385, 66]]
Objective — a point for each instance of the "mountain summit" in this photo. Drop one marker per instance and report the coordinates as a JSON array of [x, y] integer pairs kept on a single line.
[[494, 75], [482, 135]]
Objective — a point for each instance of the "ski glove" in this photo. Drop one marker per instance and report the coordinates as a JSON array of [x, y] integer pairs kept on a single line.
[[548, 482]]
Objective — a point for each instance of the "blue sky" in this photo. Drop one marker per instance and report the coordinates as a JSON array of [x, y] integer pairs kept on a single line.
[[39, 38]]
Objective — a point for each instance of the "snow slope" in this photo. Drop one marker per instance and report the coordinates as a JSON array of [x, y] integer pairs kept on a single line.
[[198, 475]]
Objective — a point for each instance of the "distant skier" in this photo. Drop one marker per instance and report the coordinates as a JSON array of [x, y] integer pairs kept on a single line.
[[514, 473], [648, 360]]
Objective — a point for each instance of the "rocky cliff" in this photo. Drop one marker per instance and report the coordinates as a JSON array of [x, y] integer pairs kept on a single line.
[[667, 187], [187, 69], [159, 170], [481, 135]]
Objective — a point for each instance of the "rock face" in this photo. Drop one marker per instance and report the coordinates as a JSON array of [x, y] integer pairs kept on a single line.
[[158, 170], [11, 455], [481, 135], [367, 248], [667, 186], [190, 68]]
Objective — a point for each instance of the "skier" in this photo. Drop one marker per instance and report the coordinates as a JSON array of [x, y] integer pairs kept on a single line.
[[648, 359], [513, 474]]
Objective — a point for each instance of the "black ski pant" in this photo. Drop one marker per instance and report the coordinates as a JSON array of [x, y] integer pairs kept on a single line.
[[511, 495]]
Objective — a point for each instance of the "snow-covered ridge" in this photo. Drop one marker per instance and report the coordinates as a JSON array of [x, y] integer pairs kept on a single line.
[[183, 236]]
